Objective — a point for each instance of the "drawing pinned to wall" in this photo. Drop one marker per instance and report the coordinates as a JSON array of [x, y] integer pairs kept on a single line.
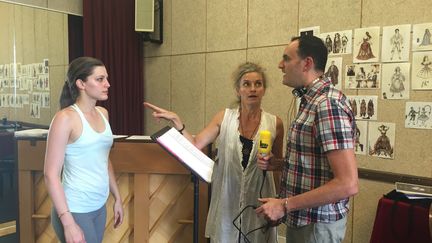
[[46, 66], [5, 100], [418, 115], [396, 43], [34, 110], [381, 139], [421, 74], [333, 70], [395, 81], [338, 43], [366, 45], [364, 107], [422, 39], [18, 83], [45, 100], [314, 30], [26, 99], [361, 137], [363, 76]]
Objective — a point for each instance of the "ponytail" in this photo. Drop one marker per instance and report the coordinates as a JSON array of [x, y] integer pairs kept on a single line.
[[66, 98]]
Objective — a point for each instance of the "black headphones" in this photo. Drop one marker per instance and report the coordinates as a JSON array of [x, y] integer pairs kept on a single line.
[[299, 92]]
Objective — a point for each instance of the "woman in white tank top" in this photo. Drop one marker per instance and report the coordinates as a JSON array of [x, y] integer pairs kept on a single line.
[[79, 142]]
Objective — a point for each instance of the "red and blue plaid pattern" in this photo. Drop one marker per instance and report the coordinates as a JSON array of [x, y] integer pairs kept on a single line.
[[324, 122]]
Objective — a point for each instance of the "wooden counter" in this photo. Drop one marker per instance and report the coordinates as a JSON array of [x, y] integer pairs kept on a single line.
[[156, 190]]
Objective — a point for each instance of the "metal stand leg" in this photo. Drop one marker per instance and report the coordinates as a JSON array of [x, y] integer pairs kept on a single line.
[[196, 208]]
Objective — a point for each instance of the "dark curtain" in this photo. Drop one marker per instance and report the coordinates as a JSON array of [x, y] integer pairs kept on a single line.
[[75, 32], [109, 35]]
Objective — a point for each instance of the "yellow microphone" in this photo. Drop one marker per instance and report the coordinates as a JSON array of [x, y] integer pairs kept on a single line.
[[265, 144]]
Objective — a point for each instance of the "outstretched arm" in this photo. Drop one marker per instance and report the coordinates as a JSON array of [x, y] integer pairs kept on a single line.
[[203, 138]]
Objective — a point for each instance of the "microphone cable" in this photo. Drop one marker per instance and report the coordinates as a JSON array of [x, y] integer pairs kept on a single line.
[[262, 183], [265, 226]]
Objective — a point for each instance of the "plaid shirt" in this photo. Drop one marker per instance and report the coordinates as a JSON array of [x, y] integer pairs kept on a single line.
[[324, 122]]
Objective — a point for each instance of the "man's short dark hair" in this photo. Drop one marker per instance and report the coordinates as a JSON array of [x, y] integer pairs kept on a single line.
[[312, 46]]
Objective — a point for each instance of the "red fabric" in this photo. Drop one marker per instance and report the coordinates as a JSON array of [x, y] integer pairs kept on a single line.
[[408, 224], [109, 35]]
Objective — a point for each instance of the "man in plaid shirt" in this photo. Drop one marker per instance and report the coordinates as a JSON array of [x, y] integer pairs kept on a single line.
[[320, 171]]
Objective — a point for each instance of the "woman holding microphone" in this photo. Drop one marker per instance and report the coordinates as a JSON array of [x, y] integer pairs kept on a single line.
[[237, 182]]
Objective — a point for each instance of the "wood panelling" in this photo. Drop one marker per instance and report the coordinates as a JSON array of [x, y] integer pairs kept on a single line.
[[157, 196]]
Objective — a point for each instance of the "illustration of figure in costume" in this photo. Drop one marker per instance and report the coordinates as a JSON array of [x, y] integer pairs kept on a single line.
[[328, 43], [333, 73], [361, 78], [426, 38], [382, 145], [365, 51], [412, 114], [396, 83], [396, 42], [344, 41], [358, 144], [363, 108], [370, 109], [337, 43], [353, 104], [424, 115], [425, 72]]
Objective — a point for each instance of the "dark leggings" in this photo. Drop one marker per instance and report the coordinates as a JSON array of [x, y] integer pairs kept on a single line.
[[92, 224]]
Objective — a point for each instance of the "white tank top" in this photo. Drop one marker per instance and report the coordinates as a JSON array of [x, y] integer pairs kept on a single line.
[[85, 170]]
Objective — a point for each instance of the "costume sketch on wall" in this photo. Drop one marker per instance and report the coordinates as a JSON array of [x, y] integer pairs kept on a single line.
[[364, 107], [338, 43], [381, 139], [25, 86], [363, 76], [45, 100], [366, 45], [421, 74], [313, 30], [395, 80], [333, 70], [2, 70], [361, 137], [422, 39], [396, 43], [418, 115], [35, 110]]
